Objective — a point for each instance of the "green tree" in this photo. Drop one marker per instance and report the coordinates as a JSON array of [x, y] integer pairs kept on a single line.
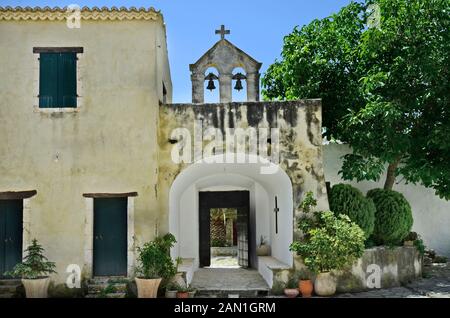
[[385, 87]]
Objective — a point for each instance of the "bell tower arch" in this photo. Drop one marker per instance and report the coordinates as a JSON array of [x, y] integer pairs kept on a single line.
[[225, 57]]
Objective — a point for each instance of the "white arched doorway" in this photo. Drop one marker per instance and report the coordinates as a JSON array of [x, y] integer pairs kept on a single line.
[[263, 188]]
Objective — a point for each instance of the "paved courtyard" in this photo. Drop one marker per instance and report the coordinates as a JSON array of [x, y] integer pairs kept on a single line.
[[435, 284]]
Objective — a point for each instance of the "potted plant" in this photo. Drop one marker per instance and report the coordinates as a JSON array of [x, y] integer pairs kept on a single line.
[[290, 289], [263, 249], [154, 265], [329, 243], [305, 286], [182, 292], [34, 271], [171, 290]]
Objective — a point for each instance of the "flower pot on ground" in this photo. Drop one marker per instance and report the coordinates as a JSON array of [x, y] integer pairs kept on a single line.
[[34, 271], [171, 290], [306, 287], [329, 243], [290, 289], [154, 265], [325, 284], [263, 248], [182, 294]]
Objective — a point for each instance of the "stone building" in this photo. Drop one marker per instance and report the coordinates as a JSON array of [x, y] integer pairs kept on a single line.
[[95, 160]]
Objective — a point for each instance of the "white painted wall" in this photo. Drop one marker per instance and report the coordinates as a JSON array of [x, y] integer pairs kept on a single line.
[[431, 214], [183, 206]]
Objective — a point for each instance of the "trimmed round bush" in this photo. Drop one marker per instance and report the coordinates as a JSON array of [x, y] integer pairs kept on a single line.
[[345, 199], [393, 217]]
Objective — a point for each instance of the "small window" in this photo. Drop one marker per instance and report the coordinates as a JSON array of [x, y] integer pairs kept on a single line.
[[57, 79]]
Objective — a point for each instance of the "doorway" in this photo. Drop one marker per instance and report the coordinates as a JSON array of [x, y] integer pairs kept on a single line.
[[110, 237], [224, 226], [11, 230]]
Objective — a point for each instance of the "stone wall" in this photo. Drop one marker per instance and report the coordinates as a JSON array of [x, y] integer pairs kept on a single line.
[[396, 266]]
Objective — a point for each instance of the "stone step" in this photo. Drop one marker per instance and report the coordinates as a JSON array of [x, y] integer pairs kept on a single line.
[[10, 282], [98, 288], [8, 289], [106, 280], [208, 293], [6, 295], [112, 295]]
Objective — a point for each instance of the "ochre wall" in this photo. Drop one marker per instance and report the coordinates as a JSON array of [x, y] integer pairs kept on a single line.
[[109, 145]]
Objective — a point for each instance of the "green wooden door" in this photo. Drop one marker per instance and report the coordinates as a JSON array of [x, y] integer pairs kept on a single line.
[[10, 234], [110, 237]]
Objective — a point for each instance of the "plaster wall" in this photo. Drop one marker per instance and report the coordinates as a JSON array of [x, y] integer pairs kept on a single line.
[[109, 145], [431, 214]]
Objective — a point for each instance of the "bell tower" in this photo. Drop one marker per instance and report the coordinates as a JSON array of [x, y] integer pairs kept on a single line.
[[225, 57]]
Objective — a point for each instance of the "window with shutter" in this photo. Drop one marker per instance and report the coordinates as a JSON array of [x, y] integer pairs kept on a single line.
[[58, 80]]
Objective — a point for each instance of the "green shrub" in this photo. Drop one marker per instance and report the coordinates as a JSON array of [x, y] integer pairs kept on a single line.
[[345, 199], [333, 244], [393, 217], [154, 259]]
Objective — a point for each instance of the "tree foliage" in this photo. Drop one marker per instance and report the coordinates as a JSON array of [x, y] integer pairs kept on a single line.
[[385, 88]]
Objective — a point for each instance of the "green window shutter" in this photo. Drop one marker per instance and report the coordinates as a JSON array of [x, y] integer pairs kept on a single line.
[[67, 80], [48, 80]]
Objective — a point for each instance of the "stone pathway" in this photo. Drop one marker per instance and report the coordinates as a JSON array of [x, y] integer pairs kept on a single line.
[[224, 262], [214, 282], [435, 284]]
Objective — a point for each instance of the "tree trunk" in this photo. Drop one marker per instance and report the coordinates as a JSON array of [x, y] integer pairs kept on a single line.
[[390, 178]]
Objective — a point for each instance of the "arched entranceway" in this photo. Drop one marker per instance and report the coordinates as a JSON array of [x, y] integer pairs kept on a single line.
[[267, 192]]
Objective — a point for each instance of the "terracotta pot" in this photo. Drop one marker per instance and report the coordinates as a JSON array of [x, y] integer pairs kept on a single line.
[[325, 284], [182, 295], [291, 292], [171, 294], [36, 288], [147, 288], [306, 288]]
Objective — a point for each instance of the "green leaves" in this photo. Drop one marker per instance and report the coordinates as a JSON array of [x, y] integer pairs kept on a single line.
[[385, 90], [35, 265], [334, 244], [154, 259], [329, 242]]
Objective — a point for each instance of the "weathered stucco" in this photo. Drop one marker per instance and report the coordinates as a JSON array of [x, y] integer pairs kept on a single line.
[[300, 141], [396, 266], [107, 146]]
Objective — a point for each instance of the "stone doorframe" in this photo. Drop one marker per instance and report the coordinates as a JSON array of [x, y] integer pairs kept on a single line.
[[25, 196], [89, 230]]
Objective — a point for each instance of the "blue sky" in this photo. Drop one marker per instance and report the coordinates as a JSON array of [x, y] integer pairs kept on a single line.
[[257, 27]]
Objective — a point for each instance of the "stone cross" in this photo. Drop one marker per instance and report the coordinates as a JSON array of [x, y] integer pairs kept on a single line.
[[223, 31], [276, 210]]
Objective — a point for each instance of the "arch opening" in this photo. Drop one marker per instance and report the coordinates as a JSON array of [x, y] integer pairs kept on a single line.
[[201, 177]]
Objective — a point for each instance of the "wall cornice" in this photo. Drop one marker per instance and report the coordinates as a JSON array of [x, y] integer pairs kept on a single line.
[[94, 13]]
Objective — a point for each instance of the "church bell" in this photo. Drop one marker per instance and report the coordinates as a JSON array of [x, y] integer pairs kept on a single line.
[[239, 77], [210, 78]]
